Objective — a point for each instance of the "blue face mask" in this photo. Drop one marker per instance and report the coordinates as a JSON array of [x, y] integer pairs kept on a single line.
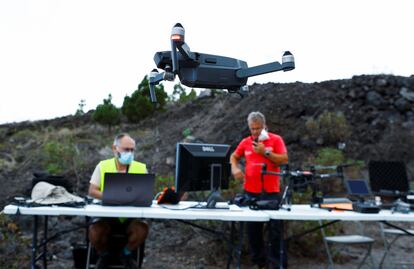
[[125, 158]]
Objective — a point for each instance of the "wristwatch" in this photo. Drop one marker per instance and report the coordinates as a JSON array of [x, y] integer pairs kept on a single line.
[[267, 152]]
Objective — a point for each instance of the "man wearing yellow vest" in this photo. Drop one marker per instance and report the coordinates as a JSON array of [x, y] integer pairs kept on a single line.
[[137, 231]]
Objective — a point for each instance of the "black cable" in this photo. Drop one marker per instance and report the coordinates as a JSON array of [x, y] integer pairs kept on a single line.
[[185, 208]]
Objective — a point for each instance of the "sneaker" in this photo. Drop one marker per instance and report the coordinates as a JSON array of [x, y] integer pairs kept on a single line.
[[129, 262], [102, 262]]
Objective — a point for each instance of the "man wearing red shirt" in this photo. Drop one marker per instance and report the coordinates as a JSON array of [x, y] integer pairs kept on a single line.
[[258, 149]]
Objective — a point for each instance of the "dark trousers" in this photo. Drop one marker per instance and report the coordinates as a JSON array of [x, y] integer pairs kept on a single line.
[[270, 253]]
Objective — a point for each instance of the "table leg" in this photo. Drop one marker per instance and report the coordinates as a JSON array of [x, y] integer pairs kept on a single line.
[[282, 246], [44, 254], [240, 245], [230, 245], [34, 243]]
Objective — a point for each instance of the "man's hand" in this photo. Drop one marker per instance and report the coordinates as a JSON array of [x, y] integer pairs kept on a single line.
[[259, 148], [235, 170], [94, 192], [237, 173]]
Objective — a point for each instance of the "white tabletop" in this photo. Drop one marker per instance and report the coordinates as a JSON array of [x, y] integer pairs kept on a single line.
[[298, 212], [44, 210], [235, 213], [180, 211], [306, 212]]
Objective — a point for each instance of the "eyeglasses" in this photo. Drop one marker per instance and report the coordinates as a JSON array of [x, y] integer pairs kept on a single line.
[[127, 149]]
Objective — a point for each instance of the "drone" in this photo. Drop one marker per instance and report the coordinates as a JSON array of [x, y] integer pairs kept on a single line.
[[201, 70]]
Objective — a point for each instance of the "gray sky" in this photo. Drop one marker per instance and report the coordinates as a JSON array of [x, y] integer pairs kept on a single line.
[[55, 53]]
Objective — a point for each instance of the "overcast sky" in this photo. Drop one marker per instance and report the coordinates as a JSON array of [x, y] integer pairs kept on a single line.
[[55, 53]]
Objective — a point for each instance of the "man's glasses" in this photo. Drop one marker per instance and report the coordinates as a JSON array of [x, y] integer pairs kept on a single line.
[[127, 149]]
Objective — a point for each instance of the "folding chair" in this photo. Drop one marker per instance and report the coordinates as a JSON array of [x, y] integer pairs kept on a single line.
[[354, 239], [393, 235], [116, 243], [389, 177]]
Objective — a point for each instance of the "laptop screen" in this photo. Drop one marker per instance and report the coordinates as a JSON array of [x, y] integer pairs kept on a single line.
[[357, 187]]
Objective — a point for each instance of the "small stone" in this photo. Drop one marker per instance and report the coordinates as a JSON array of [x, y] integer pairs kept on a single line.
[[407, 94]]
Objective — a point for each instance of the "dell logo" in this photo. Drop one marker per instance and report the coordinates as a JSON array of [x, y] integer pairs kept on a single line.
[[209, 149]]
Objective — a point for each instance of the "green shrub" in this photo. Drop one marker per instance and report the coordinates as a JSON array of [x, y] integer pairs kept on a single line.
[[329, 156], [163, 181], [24, 135], [107, 114], [59, 157], [14, 248], [186, 132], [329, 128], [180, 94], [139, 106]]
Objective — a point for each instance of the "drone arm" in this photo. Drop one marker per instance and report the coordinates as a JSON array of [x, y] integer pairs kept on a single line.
[[155, 78], [288, 63], [185, 51], [258, 70], [177, 42], [152, 93], [174, 57]]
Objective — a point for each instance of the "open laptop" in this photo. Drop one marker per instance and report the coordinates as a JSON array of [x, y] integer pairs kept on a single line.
[[128, 189], [358, 188]]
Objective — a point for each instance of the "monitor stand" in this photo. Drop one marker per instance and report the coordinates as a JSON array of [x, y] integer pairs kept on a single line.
[[211, 202], [213, 198], [215, 183]]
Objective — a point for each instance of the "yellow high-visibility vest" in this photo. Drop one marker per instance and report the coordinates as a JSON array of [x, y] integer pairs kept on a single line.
[[109, 166]]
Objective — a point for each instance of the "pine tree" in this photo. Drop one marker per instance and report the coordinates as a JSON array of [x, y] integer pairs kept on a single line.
[[138, 106], [107, 113]]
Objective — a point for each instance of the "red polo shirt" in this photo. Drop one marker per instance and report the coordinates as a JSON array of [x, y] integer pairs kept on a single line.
[[254, 163]]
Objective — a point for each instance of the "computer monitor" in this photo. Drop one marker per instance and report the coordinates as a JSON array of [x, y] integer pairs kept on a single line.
[[388, 177], [202, 167]]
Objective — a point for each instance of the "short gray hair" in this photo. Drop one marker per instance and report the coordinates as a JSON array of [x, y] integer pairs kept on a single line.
[[256, 116], [119, 137]]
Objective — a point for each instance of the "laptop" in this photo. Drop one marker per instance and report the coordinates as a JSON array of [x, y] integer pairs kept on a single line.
[[358, 187], [128, 189]]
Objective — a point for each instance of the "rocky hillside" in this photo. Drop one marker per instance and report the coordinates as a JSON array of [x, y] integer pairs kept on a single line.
[[378, 110]]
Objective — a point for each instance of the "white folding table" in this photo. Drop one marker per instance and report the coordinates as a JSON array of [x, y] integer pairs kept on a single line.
[[181, 212], [307, 212]]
